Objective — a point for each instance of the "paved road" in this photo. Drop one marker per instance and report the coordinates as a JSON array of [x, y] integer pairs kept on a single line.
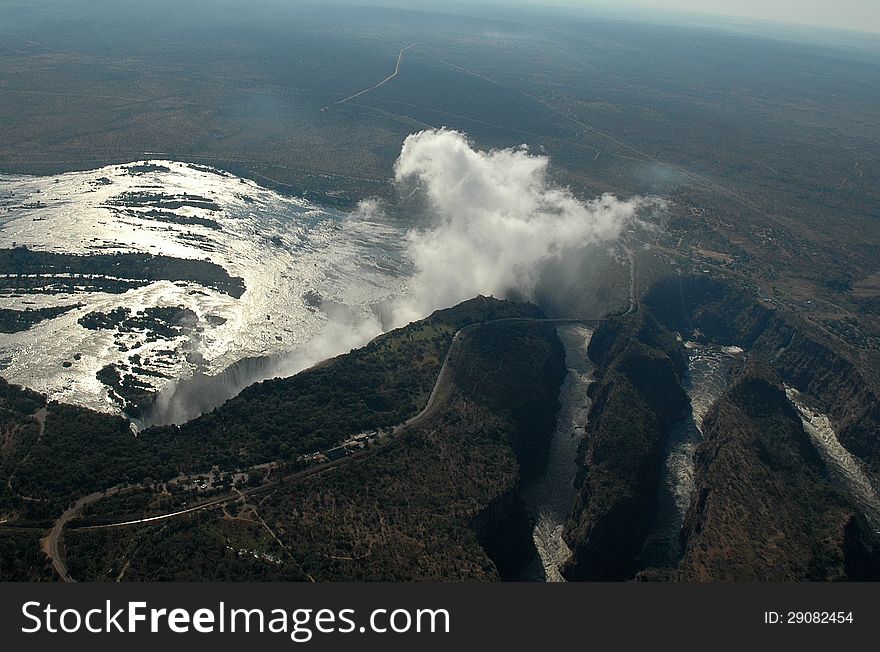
[[440, 394], [443, 386], [442, 389], [230, 498]]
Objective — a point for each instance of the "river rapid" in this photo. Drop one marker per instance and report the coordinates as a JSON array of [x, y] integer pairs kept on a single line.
[[846, 471], [710, 368], [708, 376], [550, 497]]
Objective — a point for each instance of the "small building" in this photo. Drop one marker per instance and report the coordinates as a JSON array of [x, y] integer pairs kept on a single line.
[[336, 453]]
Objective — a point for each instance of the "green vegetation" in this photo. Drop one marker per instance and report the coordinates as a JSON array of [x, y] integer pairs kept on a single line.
[[129, 391], [438, 504], [160, 201], [80, 451], [173, 218], [21, 559], [765, 508], [801, 353], [767, 151], [54, 453], [125, 382], [377, 386], [195, 548], [159, 322], [432, 507], [146, 168]]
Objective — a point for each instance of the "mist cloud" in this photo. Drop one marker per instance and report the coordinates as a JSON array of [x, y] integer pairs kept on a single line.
[[495, 220]]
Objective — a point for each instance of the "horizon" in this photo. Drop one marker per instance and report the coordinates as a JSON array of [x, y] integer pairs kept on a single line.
[[857, 17]]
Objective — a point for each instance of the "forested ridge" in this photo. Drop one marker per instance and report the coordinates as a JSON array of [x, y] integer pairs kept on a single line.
[[54, 453]]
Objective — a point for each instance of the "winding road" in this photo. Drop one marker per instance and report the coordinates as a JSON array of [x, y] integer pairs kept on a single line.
[[229, 498]]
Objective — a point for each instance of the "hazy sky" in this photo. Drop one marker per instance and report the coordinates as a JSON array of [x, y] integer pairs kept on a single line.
[[862, 15]]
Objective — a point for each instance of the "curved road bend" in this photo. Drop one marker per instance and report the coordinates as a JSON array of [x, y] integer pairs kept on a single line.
[[440, 393], [443, 386], [50, 543]]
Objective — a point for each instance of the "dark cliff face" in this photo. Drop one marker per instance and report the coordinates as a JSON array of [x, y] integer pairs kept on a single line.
[[763, 508], [701, 307], [439, 503], [806, 363], [515, 371], [716, 311], [636, 399], [504, 531]]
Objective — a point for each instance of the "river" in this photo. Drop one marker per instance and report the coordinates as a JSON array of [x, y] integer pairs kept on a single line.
[[550, 497], [708, 376], [846, 470]]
